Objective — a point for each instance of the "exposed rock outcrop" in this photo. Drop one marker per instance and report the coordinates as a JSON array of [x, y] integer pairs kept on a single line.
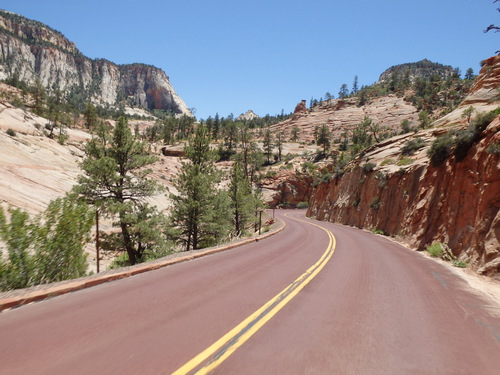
[[31, 50], [247, 116], [457, 203]]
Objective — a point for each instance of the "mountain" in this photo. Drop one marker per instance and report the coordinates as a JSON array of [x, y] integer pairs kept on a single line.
[[422, 69], [31, 50]]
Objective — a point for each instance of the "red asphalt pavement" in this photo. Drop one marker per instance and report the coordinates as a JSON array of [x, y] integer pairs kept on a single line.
[[375, 308]]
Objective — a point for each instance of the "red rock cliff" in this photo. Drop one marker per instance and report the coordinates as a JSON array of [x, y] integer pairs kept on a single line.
[[456, 203]]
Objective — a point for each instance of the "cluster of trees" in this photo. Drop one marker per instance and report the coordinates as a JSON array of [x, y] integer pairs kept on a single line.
[[116, 182]]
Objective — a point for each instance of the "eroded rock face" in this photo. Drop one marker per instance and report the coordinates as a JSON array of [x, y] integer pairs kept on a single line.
[[30, 49], [483, 95], [288, 189], [456, 203]]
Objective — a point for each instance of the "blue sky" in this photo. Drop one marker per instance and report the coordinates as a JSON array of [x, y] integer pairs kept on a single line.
[[231, 56]]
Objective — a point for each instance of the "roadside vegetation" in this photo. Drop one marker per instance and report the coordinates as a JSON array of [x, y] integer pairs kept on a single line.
[[442, 251]]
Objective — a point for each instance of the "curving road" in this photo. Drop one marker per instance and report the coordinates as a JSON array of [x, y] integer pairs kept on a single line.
[[317, 298]]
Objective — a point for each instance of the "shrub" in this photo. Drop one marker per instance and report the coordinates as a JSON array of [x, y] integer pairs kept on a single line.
[[11, 132], [435, 250], [440, 149], [375, 203], [404, 161], [493, 148], [463, 142], [302, 205], [482, 121], [412, 146], [459, 263], [368, 167]]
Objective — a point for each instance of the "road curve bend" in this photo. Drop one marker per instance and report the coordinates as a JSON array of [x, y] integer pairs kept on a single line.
[[317, 298]]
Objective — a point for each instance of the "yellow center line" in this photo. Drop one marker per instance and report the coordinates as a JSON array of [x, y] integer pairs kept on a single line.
[[219, 351]]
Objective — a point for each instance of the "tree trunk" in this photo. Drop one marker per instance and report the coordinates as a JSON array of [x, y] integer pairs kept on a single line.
[[128, 243]]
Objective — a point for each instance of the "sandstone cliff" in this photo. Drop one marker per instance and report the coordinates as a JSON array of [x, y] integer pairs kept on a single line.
[[30, 50], [457, 203]]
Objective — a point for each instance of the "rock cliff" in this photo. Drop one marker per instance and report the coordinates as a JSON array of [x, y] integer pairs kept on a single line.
[[31, 50], [457, 203]]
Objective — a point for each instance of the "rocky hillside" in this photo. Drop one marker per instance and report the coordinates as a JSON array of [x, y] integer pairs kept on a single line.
[[457, 202], [30, 50], [422, 69], [343, 114]]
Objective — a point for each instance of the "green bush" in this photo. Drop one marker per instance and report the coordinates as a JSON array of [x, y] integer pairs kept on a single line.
[[463, 142], [11, 132], [412, 146], [435, 250], [302, 205], [440, 149], [368, 167], [493, 148], [375, 203], [404, 161]]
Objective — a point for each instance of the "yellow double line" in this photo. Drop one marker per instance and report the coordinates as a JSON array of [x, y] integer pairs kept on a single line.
[[219, 351]]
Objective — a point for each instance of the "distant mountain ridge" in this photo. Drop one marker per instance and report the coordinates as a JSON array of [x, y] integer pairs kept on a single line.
[[421, 69], [30, 50]]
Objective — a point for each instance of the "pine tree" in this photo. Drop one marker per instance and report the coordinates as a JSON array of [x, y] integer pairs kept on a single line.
[[240, 193], [344, 91], [115, 179], [198, 204], [355, 88], [324, 138], [267, 144]]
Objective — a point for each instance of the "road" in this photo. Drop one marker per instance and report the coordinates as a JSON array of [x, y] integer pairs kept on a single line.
[[317, 298]]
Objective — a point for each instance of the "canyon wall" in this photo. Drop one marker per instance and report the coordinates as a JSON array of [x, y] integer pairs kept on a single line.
[[457, 203], [31, 50]]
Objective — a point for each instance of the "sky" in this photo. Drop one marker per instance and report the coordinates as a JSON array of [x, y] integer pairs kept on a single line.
[[228, 57]]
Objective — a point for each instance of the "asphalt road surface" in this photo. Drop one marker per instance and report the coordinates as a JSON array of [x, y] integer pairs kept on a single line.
[[317, 298]]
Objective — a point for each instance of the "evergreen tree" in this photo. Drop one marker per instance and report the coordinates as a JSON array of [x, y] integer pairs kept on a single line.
[[294, 134], [324, 138], [344, 91], [247, 147], [268, 145], [115, 179], [279, 144], [469, 74], [198, 206], [39, 97], [90, 116], [240, 194], [355, 88]]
